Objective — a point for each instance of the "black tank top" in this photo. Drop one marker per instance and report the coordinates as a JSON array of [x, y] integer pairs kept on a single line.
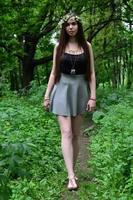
[[77, 62]]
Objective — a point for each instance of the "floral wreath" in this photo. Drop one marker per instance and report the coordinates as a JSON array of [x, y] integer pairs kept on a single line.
[[67, 16]]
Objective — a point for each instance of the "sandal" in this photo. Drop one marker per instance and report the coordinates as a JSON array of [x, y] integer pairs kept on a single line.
[[72, 185], [76, 178]]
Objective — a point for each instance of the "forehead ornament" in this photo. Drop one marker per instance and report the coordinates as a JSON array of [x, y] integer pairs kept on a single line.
[[68, 16]]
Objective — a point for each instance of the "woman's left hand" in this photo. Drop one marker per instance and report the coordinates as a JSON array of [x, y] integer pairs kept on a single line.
[[91, 105]]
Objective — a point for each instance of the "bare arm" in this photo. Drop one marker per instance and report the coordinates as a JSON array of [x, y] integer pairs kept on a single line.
[[51, 81], [92, 83]]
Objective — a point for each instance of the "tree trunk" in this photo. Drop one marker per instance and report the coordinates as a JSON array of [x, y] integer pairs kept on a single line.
[[124, 68], [28, 61], [13, 81], [29, 45], [130, 65], [27, 73]]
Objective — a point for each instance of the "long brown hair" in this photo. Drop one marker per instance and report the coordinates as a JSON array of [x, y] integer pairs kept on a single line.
[[63, 40]]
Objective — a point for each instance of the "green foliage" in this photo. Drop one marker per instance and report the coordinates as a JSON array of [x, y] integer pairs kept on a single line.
[[108, 96], [12, 156], [112, 150], [36, 92], [28, 27], [48, 189], [5, 190], [97, 116], [31, 164], [30, 157]]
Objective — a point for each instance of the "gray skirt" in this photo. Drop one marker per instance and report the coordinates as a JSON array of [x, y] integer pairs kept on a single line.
[[69, 96]]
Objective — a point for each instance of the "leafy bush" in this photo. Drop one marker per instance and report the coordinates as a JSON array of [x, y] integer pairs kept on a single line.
[[5, 190], [112, 152], [108, 97], [29, 150]]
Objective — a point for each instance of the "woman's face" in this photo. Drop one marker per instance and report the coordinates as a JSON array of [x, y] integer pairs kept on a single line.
[[72, 27]]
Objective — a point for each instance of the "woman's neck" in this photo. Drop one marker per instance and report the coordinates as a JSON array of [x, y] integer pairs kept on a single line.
[[72, 45], [72, 40]]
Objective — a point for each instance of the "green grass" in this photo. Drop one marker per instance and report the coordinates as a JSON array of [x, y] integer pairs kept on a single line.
[[112, 149], [30, 158], [31, 163]]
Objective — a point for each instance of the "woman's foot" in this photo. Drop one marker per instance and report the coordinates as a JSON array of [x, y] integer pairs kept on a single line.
[[72, 185], [76, 178]]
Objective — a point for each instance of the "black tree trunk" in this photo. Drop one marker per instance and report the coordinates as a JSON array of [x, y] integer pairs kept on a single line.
[[29, 45]]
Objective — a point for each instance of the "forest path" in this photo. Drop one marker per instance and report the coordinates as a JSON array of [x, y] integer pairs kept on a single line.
[[82, 169]]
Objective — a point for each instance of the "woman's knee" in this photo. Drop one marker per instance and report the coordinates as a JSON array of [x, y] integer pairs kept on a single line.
[[67, 133]]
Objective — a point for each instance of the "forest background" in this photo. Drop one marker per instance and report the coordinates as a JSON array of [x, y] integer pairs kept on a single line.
[[29, 31]]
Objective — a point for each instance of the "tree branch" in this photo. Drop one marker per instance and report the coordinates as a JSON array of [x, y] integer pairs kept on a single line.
[[105, 54], [47, 29], [43, 60], [96, 28]]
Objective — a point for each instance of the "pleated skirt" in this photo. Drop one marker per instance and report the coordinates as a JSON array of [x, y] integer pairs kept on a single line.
[[69, 96]]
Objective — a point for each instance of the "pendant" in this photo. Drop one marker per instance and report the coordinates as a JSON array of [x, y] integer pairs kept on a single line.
[[73, 71]]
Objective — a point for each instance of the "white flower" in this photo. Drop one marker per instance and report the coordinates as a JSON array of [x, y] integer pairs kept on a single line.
[[66, 17]]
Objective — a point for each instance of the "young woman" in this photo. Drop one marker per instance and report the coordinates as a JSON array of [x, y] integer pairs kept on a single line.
[[71, 89]]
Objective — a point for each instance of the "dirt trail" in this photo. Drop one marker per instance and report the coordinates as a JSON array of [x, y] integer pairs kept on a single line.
[[82, 170]]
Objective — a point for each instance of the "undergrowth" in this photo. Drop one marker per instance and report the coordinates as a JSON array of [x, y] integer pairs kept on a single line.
[[112, 147]]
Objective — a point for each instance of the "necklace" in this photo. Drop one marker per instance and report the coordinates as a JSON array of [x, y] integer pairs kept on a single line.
[[73, 61]]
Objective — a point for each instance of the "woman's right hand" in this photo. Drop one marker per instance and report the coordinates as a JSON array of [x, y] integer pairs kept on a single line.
[[46, 104]]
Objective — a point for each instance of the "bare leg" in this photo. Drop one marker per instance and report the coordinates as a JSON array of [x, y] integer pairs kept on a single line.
[[66, 142], [76, 126], [67, 147]]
